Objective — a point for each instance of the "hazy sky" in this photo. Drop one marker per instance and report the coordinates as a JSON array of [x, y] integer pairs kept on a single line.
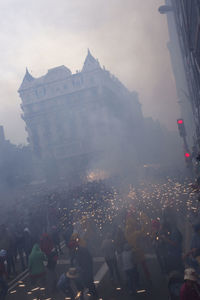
[[127, 36]]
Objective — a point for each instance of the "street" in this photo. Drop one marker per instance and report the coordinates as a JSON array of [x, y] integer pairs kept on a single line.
[[21, 288]]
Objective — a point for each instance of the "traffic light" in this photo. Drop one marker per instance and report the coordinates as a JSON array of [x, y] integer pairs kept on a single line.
[[181, 127], [188, 159], [187, 155]]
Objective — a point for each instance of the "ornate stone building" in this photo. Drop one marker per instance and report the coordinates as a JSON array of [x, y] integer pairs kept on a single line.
[[75, 120]]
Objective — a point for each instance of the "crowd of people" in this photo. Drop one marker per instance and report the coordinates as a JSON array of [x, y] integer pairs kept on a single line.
[[95, 220]]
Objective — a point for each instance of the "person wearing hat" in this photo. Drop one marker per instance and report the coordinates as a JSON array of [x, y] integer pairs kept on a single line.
[[70, 285], [3, 275], [190, 290]]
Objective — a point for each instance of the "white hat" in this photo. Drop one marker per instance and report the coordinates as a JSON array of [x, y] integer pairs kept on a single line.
[[190, 274]]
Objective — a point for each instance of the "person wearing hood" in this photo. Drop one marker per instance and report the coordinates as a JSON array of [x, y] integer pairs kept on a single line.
[[36, 264]]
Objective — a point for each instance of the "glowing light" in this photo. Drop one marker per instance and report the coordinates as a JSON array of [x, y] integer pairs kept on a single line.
[[35, 289], [78, 295], [141, 291], [180, 121]]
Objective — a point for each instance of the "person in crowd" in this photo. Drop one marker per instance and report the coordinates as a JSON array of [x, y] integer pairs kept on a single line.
[[10, 250], [28, 243], [19, 241], [74, 242], [158, 243], [46, 244], [134, 234], [84, 263], [190, 290], [175, 281], [69, 283], [51, 271], [172, 239], [36, 265], [192, 257], [68, 232], [3, 275], [130, 269], [119, 239], [108, 249], [55, 235]]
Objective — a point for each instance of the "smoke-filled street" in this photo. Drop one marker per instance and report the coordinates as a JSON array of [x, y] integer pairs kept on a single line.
[[98, 218], [100, 150]]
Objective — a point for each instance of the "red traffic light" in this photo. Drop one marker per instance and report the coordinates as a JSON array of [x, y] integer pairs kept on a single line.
[[187, 154], [180, 121], [181, 128]]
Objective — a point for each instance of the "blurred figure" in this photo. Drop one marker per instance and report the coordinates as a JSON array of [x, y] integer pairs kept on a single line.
[[175, 282], [51, 271], [46, 244], [130, 269], [55, 235], [69, 284], [19, 242], [193, 256], [172, 239], [10, 254], [134, 234], [108, 249], [3, 275], [36, 265], [68, 233], [28, 243], [190, 290], [84, 263], [158, 243]]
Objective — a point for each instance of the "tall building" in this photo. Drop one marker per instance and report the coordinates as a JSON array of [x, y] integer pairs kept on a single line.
[[184, 30], [75, 120]]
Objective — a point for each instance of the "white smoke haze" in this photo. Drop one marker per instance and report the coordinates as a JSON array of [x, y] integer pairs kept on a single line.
[[129, 38]]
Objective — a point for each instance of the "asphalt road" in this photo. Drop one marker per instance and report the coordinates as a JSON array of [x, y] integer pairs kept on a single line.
[[21, 288]]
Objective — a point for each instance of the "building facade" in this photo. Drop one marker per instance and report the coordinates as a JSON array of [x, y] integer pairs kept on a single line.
[[73, 120], [184, 21]]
